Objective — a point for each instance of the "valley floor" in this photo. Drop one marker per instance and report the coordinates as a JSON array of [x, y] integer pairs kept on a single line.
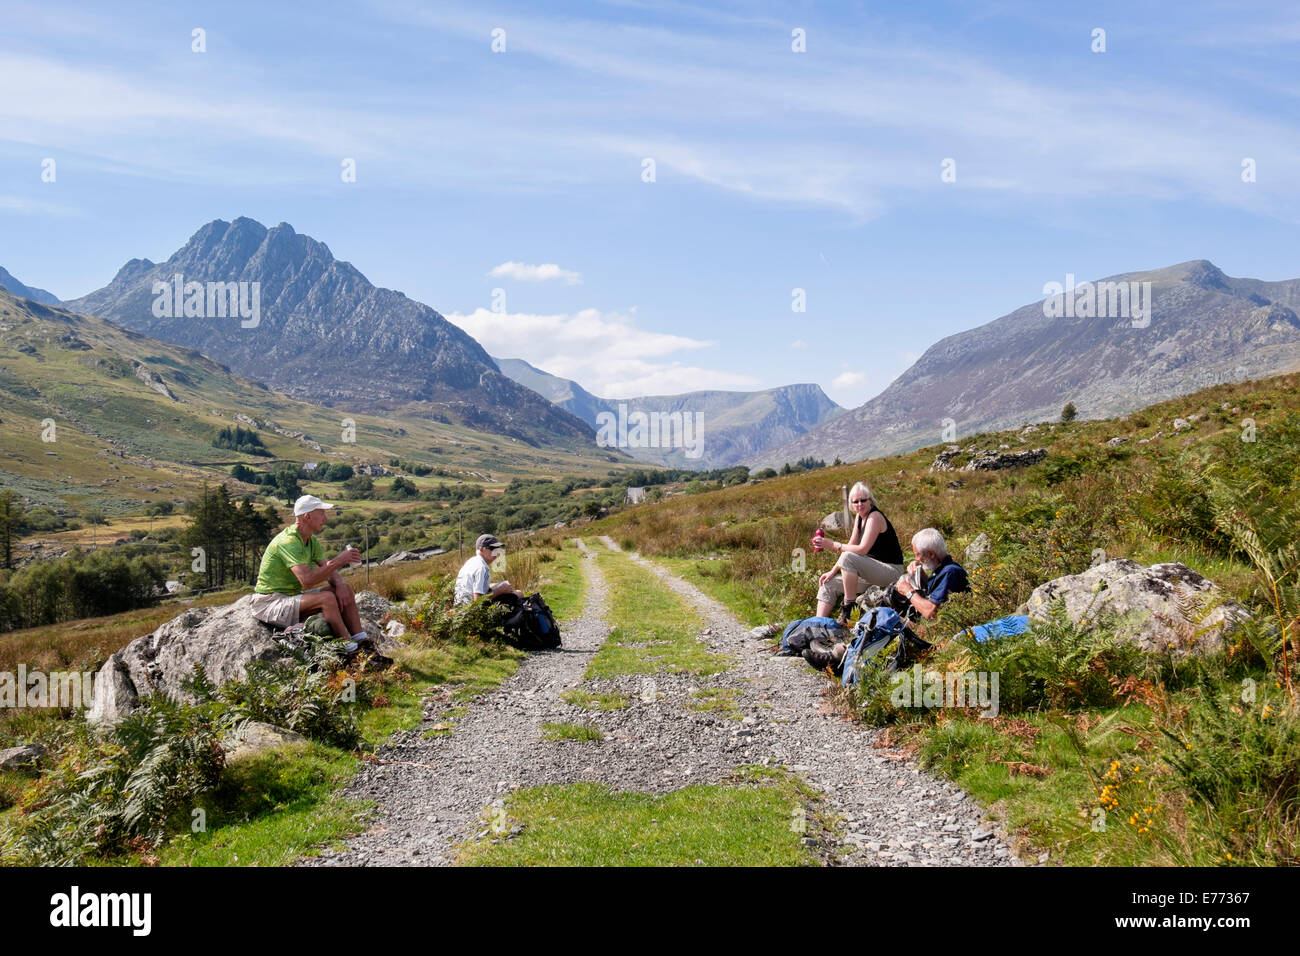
[[619, 750]]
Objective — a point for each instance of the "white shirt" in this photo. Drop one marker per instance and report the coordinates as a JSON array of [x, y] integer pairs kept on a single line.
[[474, 578]]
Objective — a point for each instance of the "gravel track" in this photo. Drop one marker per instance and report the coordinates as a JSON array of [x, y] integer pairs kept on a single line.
[[434, 793]]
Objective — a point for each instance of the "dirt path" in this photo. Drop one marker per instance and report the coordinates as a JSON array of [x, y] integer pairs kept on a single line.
[[894, 813], [890, 813]]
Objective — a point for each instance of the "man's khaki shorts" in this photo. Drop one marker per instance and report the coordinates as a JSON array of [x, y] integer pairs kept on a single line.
[[278, 610]]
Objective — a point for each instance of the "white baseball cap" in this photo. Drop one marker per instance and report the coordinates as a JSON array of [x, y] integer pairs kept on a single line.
[[308, 503]]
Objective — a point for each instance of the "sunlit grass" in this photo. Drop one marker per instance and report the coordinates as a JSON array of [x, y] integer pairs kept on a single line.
[[653, 631], [758, 823]]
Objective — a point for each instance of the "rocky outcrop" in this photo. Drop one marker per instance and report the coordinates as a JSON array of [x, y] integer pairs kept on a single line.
[[999, 460], [943, 460], [223, 640], [986, 459], [147, 376], [323, 332], [278, 429], [1165, 607], [21, 758]]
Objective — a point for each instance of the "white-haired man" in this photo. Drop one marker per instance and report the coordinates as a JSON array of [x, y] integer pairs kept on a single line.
[[295, 581], [932, 576]]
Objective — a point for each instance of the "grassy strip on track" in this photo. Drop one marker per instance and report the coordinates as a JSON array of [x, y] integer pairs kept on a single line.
[[759, 820], [563, 584], [654, 630]]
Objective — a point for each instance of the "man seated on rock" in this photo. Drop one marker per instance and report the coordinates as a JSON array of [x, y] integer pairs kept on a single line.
[[295, 581], [475, 578]]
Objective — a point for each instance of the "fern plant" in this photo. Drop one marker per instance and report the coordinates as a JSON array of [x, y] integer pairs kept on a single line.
[[1242, 511]]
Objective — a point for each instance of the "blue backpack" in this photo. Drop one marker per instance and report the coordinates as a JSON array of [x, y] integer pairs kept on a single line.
[[799, 634], [872, 634]]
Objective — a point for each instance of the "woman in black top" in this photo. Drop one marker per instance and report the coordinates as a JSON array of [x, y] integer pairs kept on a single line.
[[872, 555]]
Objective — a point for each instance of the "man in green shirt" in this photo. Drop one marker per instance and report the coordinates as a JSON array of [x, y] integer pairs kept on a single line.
[[295, 581]]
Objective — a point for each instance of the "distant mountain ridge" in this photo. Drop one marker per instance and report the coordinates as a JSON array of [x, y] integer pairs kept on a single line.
[[326, 334], [1205, 327], [735, 425], [14, 287]]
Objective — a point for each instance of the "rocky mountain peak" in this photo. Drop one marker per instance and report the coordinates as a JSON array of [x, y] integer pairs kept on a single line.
[[323, 332]]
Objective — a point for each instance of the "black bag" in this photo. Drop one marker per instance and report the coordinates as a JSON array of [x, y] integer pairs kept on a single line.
[[532, 625], [798, 635]]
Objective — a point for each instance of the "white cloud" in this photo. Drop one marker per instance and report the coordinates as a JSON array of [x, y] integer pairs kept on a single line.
[[868, 119], [848, 379], [798, 344], [526, 273], [36, 207], [604, 352]]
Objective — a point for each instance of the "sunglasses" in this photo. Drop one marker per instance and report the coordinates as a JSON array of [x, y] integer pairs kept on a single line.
[[860, 501]]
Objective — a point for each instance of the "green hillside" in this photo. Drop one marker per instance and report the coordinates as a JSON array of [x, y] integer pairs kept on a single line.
[[134, 421]]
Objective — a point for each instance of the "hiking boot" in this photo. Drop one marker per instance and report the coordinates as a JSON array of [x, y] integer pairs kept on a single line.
[[821, 655]]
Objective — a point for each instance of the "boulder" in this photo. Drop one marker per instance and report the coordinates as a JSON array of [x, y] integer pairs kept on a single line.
[[1181, 423], [255, 737], [977, 550], [1164, 607], [1117, 440], [21, 758], [222, 639], [419, 555], [834, 522]]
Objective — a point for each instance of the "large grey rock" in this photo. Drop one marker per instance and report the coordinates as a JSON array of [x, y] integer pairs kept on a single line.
[[1164, 607], [222, 639], [255, 737], [21, 758], [401, 556], [834, 522]]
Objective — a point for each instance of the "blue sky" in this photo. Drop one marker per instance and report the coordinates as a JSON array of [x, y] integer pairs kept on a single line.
[[774, 169]]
